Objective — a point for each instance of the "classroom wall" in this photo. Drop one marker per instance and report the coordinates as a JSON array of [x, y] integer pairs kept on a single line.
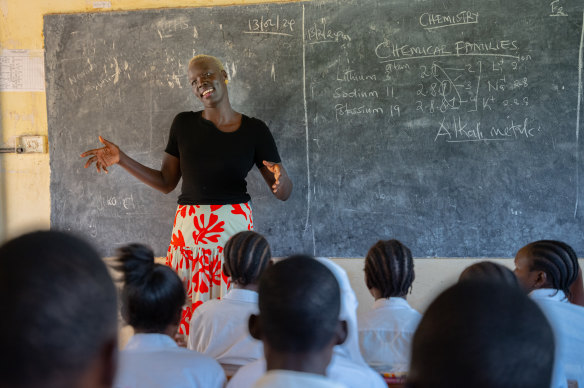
[[24, 178]]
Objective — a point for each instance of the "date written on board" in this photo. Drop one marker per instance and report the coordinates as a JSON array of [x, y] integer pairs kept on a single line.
[[270, 25]]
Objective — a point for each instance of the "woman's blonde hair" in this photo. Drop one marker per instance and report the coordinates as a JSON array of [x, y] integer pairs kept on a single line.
[[211, 58]]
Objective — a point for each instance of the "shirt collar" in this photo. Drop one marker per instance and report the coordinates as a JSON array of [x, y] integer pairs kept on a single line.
[[150, 341], [549, 293], [391, 302], [242, 295], [282, 376]]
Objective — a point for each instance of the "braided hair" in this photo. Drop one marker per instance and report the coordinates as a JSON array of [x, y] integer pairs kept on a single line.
[[389, 267], [153, 294], [487, 270], [246, 256], [557, 259]]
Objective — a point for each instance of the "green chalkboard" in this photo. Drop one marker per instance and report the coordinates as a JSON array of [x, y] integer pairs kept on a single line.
[[451, 125]]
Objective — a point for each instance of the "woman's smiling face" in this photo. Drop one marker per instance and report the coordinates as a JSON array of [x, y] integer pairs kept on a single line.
[[207, 81]]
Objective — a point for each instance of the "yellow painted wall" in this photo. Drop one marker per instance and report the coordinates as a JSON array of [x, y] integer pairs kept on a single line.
[[24, 179]]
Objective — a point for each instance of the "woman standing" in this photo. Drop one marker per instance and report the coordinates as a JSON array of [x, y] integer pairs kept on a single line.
[[212, 150]]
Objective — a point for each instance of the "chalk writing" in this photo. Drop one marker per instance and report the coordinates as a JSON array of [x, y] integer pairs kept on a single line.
[[355, 93], [167, 28], [270, 25], [395, 67], [456, 130], [348, 75], [345, 110], [321, 33], [125, 202], [432, 20], [501, 84], [557, 8], [80, 76], [389, 50]]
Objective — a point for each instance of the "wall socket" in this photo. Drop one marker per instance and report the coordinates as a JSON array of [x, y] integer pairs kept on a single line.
[[33, 144]]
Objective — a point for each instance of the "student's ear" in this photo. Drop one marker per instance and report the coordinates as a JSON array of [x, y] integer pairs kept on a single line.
[[540, 280], [254, 327], [341, 333], [224, 75]]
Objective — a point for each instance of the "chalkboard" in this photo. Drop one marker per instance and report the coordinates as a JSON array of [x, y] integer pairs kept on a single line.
[[450, 125]]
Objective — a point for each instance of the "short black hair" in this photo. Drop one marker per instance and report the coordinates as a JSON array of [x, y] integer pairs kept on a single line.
[[153, 294], [557, 259], [299, 303], [482, 334], [59, 309], [389, 267], [246, 256], [488, 270]]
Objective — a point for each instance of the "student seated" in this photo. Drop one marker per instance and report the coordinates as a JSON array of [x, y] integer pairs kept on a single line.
[[482, 334], [152, 300], [487, 270], [58, 324], [547, 270], [298, 323], [219, 327], [386, 331], [347, 366]]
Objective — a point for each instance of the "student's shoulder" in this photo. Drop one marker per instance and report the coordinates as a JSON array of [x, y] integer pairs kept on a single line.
[[208, 305], [194, 358], [353, 374], [372, 319], [248, 374]]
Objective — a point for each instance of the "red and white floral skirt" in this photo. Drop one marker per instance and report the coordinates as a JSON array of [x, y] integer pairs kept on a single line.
[[196, 250]]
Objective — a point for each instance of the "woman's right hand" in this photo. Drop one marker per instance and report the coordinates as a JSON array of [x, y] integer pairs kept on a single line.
[[103, 157]]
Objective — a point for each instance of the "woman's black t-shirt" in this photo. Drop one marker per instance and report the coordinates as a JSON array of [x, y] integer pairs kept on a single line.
[[214, 164]]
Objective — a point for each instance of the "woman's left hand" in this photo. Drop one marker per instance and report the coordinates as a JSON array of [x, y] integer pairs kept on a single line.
[[274, 168], [276, 177]]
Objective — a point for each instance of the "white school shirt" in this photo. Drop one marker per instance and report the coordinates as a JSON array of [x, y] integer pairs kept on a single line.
[[567, 321], [340, 370], [385, 334], [219, 328], [293, 379], [155, 360]]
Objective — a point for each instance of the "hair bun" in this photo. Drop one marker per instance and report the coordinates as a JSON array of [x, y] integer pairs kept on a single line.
[[136, 261]]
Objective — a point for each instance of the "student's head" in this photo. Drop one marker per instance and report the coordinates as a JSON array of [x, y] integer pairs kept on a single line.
[[546, 264], [153, 294], [299, 305], [246, 256], [58, 325], [489, 271], [389, 269], [482, 334]]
